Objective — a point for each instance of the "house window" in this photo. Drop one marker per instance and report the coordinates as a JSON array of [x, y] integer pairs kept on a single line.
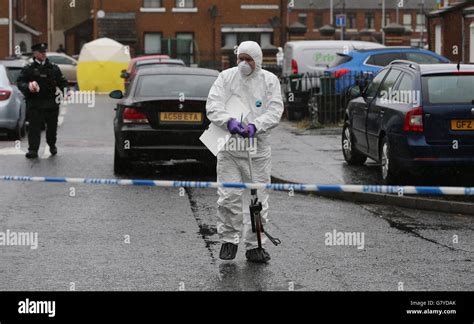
[[302, 17], [151, 3], [471, 50], [438, 45], [407, 21], [388, 19], [351, 21], [265, 39], [369, 20], [318, 21], [420, 22], [185, 47], [152, 43], [184, 3], [232, 39]]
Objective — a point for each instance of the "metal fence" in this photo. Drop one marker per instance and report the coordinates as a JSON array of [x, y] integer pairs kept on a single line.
[[321, 98]]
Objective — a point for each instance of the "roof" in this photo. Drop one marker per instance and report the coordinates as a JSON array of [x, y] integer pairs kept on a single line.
[[335, 44], [362, 4], [389, 48], [177, 70], [451, 7], [30, 29], [445, 68], [19, 63], [160, 61]]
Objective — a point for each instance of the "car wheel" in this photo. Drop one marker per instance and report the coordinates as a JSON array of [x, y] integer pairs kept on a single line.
[[121, 165], [389, 169], [351, 155]]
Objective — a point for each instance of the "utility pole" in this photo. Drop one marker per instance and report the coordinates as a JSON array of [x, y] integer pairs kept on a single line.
[[423, 20], [343, 12], [10, 28], [383, 22], [332, 12]]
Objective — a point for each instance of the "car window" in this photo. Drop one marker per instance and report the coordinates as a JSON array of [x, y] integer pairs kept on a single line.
[[449, 89], [407, 83], [174, 85], [385, 58], [57, 59], [375, 84], [389, 82], [422, 58], [341, 59], [13, 74], [406, 90]]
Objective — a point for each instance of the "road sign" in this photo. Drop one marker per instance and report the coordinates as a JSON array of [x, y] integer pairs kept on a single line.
[[341, 21]]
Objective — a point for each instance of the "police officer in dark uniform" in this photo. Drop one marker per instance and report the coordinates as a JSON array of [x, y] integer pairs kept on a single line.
[[42, 83]]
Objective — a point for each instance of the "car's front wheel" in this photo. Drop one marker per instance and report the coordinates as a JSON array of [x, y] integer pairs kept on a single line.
[[351, 155], [121, 165], [390, 171]]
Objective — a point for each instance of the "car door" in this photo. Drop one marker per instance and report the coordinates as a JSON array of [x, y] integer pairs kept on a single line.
[[360, 110], [376, 110]]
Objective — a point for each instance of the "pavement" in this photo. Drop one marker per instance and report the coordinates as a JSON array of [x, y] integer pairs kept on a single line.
[[109, 238], [304, 155]]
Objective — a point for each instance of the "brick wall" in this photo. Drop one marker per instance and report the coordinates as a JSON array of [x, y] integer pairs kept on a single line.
[[206, 31], [4, 35]]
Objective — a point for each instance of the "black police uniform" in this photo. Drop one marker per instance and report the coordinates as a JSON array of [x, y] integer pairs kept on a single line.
[[43, 106]]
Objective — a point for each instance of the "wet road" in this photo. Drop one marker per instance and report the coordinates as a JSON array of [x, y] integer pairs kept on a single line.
[[141, 238]]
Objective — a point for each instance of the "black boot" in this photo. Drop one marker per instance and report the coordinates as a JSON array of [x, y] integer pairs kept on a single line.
[[31, 155], [258, 255], [53, 150], [228, 251]]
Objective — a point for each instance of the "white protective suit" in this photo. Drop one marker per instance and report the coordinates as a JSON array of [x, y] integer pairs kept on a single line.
[[261, 92]]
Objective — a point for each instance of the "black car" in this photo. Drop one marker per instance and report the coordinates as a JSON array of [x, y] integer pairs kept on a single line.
[[162, 115], [412, 116]]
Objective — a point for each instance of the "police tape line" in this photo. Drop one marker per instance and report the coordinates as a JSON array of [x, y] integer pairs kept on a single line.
[[399, 190]]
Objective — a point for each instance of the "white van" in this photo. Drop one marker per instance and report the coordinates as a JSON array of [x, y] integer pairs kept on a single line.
[[304, 63], [314, 57]]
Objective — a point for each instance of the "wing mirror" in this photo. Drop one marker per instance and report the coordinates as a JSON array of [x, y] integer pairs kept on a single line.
[[116, 94], [355, 92], [125, 74]]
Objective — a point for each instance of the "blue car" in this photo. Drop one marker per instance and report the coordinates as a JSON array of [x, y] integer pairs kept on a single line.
[[412, 116], [349, 68]]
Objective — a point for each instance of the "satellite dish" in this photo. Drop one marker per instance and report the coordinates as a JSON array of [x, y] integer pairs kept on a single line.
[[100, 14]]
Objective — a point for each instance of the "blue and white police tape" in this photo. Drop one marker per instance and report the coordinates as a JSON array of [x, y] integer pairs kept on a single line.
[[400, 190]]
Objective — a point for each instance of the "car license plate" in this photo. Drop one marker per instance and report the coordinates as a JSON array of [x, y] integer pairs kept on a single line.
[[462, 124], [181, 117]]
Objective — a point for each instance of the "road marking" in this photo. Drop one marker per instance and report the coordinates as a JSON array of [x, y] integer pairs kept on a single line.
[[46, 153], [60, 121], [11, 151]]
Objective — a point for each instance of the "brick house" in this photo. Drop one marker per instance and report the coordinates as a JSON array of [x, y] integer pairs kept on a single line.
[[364, 18], [451, 31], [29, 25], [202, 32]]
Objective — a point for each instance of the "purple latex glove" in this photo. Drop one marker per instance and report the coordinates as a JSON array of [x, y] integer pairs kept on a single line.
[[250, 131], [235, 127]]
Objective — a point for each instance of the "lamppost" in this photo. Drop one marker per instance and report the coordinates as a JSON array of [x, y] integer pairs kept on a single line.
[[10, 27], [383, 22]]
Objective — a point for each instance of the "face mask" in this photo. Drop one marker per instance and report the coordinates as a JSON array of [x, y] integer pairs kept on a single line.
[[245, 69]]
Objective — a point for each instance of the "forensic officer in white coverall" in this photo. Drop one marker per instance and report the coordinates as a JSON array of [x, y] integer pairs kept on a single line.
[[260, 91]]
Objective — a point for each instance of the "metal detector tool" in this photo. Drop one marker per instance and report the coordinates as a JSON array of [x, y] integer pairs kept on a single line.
[[255, 210]]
